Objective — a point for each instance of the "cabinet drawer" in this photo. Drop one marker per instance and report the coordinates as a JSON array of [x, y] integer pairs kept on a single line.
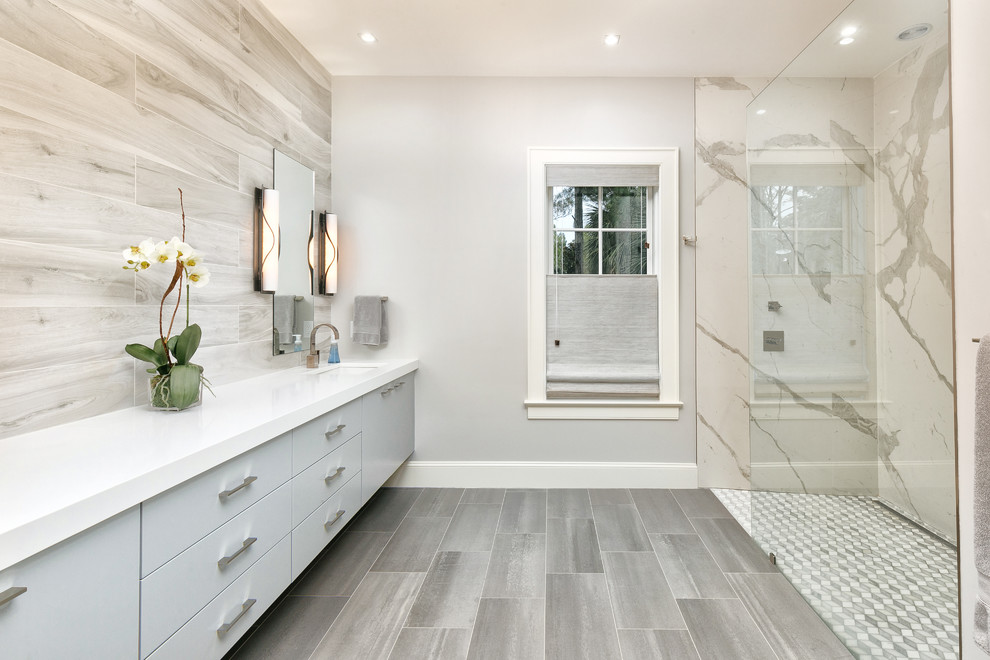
[[175, 592], [81, 599], [213, 631], [313, 534], [314, 485], [174, 520], [314, 439]]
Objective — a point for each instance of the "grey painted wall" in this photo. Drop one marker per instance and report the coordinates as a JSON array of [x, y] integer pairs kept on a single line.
[[430, 185]]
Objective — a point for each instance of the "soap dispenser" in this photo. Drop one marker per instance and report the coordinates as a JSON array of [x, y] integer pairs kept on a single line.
[[334, 355], [297, 343]]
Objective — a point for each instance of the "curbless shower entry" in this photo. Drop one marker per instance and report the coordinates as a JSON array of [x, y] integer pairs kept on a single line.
[[851, 408]]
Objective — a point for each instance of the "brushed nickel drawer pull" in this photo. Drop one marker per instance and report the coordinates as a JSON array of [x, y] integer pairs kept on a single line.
[[328, 524], [222, 630], [244, 484], [400, 384], [337, 473], [11, 594], [225, 562], [333, 432], [388, 391]]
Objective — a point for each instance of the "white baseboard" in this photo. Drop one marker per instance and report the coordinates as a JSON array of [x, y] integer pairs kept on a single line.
[[549, 474]]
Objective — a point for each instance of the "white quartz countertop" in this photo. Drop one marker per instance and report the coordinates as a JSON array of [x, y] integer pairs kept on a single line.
[[62, 480]]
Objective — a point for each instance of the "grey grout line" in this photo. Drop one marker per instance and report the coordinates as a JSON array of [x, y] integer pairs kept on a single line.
[[358, 586], [546, 577], [491, 551], [679, 610], [420, 589], [736, 591], [608, 590]]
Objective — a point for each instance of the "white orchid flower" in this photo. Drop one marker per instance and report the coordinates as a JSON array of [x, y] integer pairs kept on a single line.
[[140, 256], [147, 248], [199, 276], [164, 252], [190, 258], [132, 255], [181, 247]]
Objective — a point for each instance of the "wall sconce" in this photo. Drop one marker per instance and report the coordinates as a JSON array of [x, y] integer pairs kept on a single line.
[[266, 240], [326, 255]]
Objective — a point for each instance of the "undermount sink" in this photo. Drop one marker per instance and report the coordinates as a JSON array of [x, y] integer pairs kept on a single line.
[[344, 368]]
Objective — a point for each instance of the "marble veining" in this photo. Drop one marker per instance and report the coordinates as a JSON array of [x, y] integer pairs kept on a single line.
[[723, 370], [914, 286]]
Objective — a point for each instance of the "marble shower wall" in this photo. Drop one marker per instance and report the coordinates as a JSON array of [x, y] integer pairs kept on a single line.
[[914, 286], [106, 108], [721, 218]]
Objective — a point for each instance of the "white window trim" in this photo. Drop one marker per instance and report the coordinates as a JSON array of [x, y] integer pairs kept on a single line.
[[664, 264]]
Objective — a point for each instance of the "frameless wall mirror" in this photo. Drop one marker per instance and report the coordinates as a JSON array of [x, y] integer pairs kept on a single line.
[[292, 318]]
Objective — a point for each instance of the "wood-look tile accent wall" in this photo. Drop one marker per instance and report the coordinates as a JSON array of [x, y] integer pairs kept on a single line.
[[106, 107]]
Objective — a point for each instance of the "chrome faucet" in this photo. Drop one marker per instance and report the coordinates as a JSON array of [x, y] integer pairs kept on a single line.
[[313, 359]]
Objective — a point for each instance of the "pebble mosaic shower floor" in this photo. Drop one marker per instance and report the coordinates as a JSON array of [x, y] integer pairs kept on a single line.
[[885, 587]]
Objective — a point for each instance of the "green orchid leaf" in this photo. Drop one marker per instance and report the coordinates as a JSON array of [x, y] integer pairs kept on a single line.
[[171, 344], [160, 349], [184, 385], [142, 352], [187, 344]]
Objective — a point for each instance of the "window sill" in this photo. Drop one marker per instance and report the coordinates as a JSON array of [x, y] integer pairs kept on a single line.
[[613, 409]]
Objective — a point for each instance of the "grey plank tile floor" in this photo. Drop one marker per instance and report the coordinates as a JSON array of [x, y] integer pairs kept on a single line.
[[438, 574]]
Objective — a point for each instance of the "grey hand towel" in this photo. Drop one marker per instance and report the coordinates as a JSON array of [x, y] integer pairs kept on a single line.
[[981, 504], [370, 321]]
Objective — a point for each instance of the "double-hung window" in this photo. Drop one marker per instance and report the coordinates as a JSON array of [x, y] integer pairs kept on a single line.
[[603, 284]]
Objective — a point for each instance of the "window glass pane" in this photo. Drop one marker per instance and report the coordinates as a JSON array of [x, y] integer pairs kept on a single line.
[[773, 253], [821, 251], [624, 253], [575, 252], [772, 206], [624, 207], [572, 205], [820, 206]]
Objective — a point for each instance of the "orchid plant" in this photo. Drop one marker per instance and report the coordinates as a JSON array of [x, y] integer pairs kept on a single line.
[[176, 382]]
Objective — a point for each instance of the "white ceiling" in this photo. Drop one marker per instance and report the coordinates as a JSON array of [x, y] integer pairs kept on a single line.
[[556, 37], [876, 46]]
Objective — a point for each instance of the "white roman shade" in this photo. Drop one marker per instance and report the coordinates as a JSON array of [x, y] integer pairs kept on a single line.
[[559, 176], [607, 328]]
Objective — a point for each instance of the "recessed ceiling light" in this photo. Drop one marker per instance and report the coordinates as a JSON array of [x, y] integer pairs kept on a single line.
[[761, 111], [368, 38], [845, 41], [915, 31], [849, 30], [611, 39]]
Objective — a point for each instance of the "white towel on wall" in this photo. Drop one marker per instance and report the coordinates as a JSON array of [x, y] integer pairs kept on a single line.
[[370, 326], [981, 504]]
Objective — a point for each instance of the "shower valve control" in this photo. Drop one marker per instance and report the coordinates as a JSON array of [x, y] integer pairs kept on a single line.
[[773, 340], [773, 306]]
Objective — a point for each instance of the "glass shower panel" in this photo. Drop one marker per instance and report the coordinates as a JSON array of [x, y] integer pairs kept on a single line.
[[851, 390]]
